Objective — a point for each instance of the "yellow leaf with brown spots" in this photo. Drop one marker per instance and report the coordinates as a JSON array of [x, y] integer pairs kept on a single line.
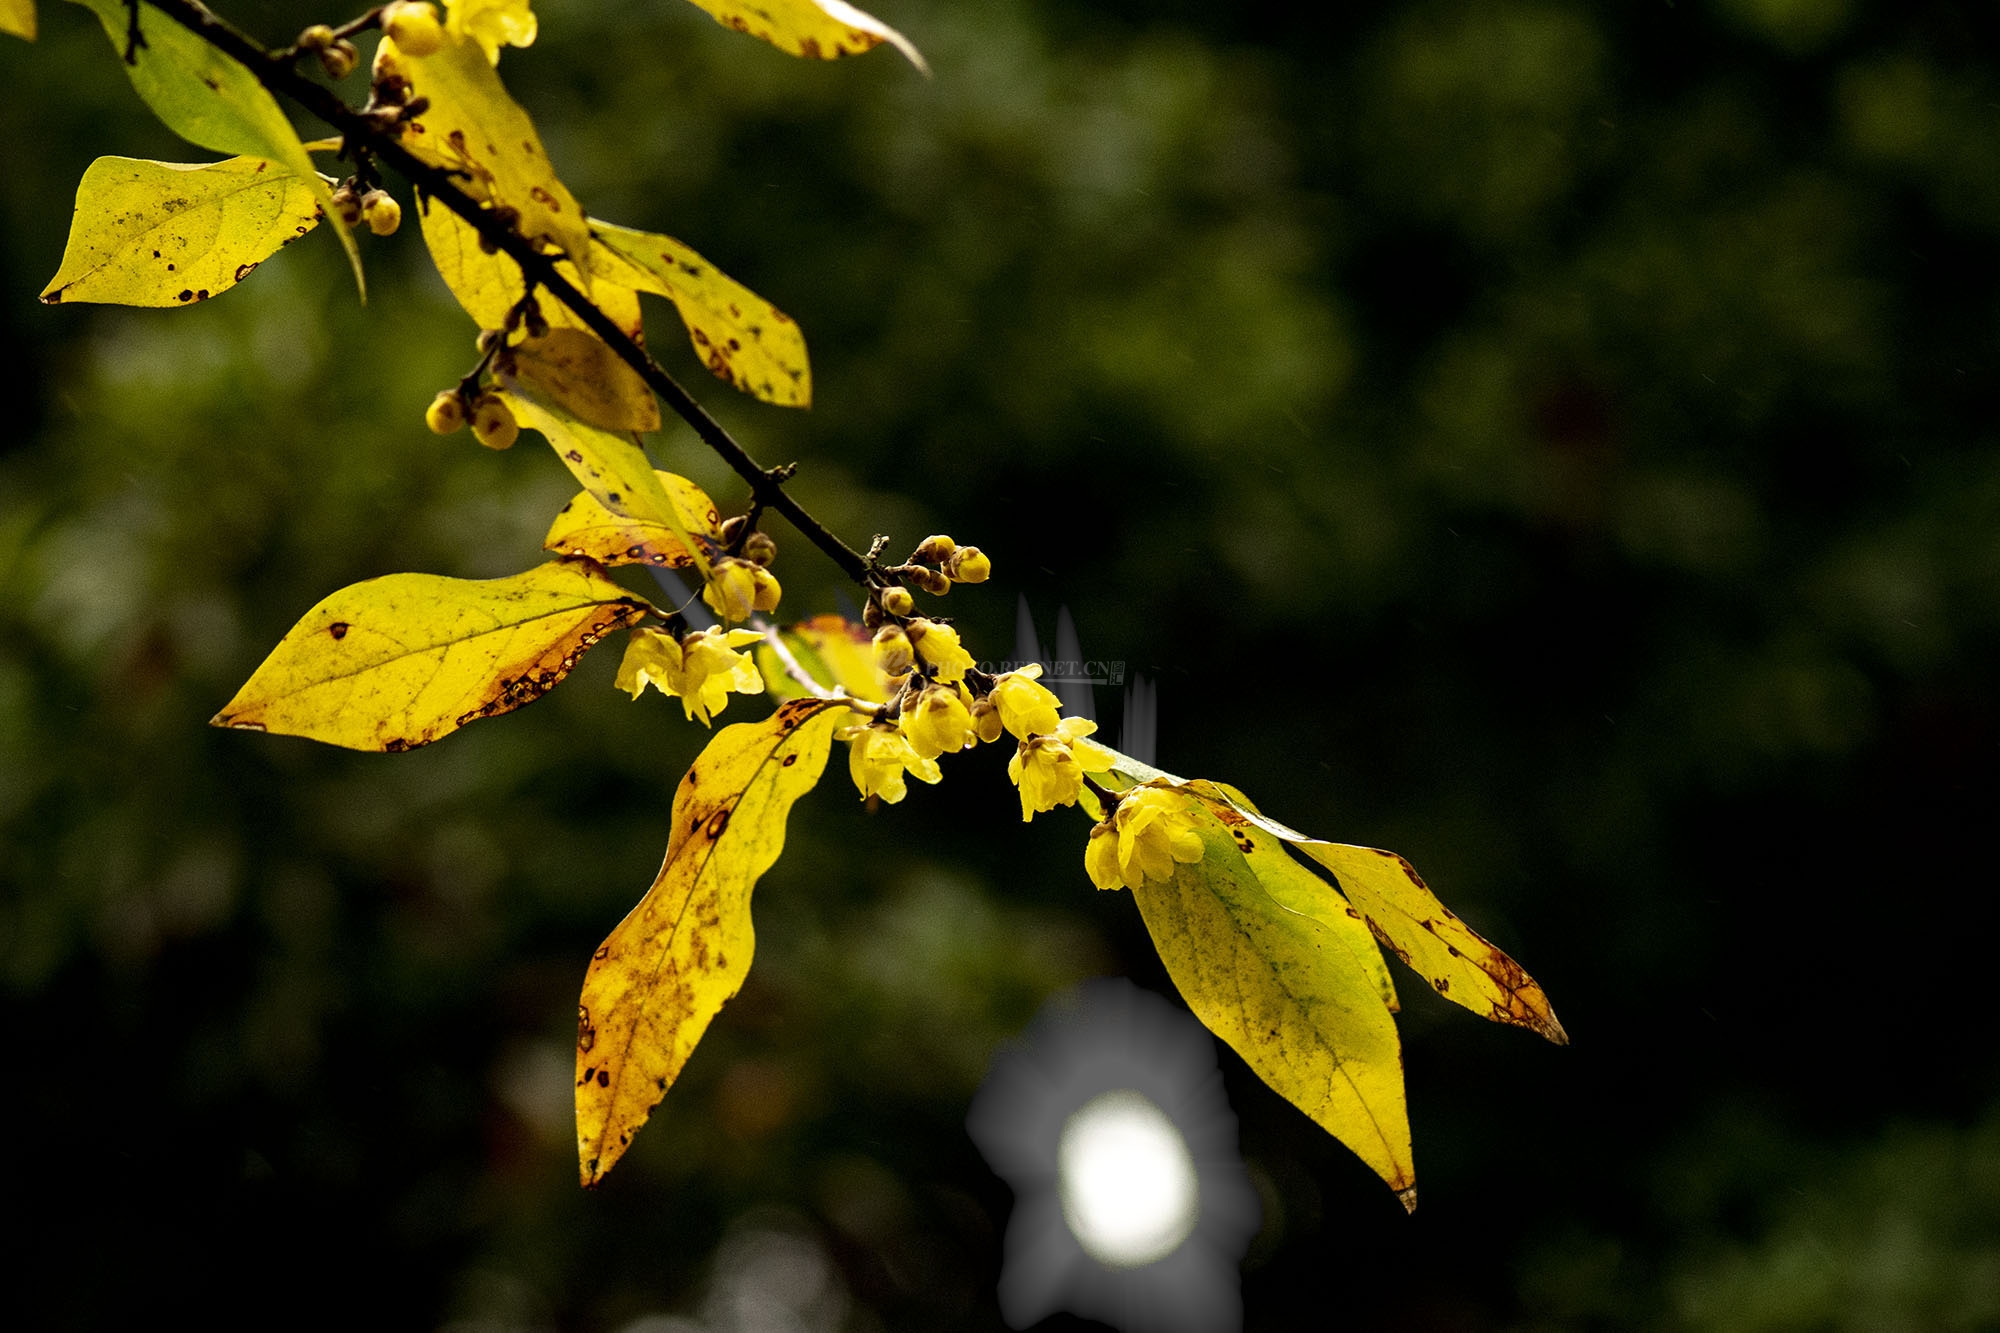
[[399, 661], [490, 285], [1285, 988], [666, 971], [171, 234], [1411, 923], [471, 126], [579, 370], [614, 470], [740, 337], [18, 17], [815, 29], [210, 98], [834, 651], [585, 527]]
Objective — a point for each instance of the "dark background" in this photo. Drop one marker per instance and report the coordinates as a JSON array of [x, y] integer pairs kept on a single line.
[[1553, 440]]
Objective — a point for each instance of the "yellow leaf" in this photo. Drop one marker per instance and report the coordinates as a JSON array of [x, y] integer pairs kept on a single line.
[[472, 126], [399, 661], [578, 370], [585, 527], [489, 285], [741, 337], [18, 18], [1287, 993], [1298, 888], [167, 234], [208, 98], [613, 468], [1428, 936], [815, 29], [835, 652], [669, 967]]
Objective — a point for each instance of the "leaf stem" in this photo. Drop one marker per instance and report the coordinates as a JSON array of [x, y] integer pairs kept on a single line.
[[280, 77]]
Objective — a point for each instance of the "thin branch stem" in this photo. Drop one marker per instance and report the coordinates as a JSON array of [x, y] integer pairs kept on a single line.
[[281, 78]]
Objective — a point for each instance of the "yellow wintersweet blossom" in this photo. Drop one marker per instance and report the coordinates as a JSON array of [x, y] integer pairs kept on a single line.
[[1027, 707], [939, 723], [938, 645], [738, 587], [1049, 768], [1145, 836], [700, 670], [877, 757], [492, 23]]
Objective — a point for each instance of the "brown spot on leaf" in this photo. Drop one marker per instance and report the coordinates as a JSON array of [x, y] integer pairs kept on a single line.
[[717, 822], [338, 629], [245, 270], [790, 759], [603, 1078], [574, 456], [185, 295], [1443, 985]]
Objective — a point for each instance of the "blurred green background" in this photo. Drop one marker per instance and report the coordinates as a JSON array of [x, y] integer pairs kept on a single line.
[[1555, 441]]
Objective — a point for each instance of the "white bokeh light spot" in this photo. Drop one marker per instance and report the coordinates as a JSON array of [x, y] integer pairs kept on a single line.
[[1126, 1179]]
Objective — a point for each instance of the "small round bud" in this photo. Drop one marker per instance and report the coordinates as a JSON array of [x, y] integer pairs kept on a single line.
[[316, 38], [871, 614], [347, 204], [932, 581], [935, 550], [759, 548], [446, 413], [968, 564], [893, 653], [414, 28], [384, 214], [898, 602], [339, 58], [986, 720], [494, 423]]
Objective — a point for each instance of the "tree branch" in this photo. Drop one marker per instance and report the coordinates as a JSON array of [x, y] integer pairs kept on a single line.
[[281, 78]]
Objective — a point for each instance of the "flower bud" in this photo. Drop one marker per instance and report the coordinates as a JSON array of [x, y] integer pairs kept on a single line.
[[931, 581], [986, 720], [732, 589], [767, 589], [446, 413], [339, 58], [968, 564], [384, 214], [347, 204], [759, 548], [893, 652], [493, 422], [316, 38], [898, 602], [934, 550], [414, 28]]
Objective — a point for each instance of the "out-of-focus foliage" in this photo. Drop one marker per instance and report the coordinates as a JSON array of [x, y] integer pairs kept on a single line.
[[1599, 395]]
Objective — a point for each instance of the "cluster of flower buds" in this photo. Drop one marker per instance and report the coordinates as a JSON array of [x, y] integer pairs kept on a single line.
[[337, 55], [492, 420], [938, 562], [375, 206]]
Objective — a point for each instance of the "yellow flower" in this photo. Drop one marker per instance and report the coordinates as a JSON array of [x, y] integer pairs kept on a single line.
[[700, 670], [732, 590], [492, 23], [1149, 832], [940, 723], [938, 645], [1100, 856], [1027, 708], [893, 654], [878, 756], [1049, 768]]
